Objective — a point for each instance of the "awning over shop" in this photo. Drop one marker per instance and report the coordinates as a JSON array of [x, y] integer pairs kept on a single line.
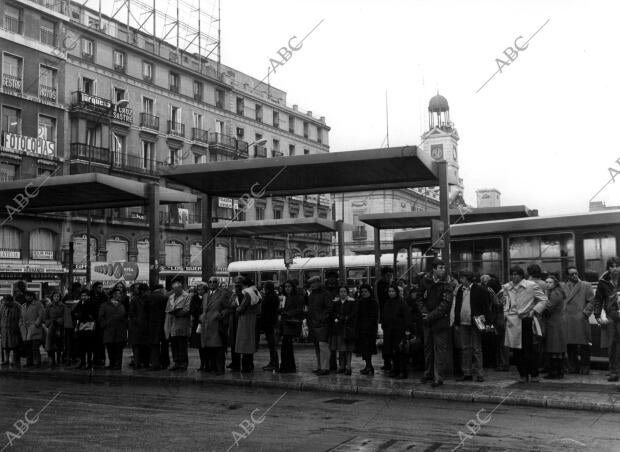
[[334, 172], [413, 220], [269, 227], [80, 192]]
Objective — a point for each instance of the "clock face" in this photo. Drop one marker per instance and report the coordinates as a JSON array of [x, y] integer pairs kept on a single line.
[[437, 151]]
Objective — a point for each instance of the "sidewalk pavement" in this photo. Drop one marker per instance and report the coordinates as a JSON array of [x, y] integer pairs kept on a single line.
[[575, 392]]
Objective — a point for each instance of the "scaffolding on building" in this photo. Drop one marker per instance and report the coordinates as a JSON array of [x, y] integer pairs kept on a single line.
[[186, 25]]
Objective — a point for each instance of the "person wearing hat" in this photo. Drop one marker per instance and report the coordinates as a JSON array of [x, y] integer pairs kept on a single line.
[[319, 309], [214, 325]]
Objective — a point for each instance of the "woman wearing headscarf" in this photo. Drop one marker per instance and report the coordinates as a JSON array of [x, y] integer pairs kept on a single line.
[[396, 322], [555, 341], [366, 327], [248, 298]]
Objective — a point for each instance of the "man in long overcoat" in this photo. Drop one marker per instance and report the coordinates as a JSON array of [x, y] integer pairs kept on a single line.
[[158, 344], [214, 325], [579, 307]]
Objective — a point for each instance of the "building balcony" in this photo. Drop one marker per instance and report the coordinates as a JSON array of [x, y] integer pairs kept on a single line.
[[86, 152], [12, 84], [149, 121], [134, 164], [95, 105], [200, 135], [90, 57], [120, 68], [176, 129], [260, 151], [48, 255], [13, 25], [59, 6], [227, 145], [198, 97], [174, 88], [48, 93]]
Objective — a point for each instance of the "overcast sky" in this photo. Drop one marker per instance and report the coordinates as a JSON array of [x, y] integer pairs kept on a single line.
[[541, 131]]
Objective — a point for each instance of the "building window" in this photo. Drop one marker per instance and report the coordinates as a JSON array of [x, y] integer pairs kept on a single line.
[[117, 249], [12, 19], [240, 106], [174, 254], [276, 119], [147, 71], [47, 128], [93, 134], [198, 90], [260, 213], [47, 84], [291, 124], [48, 32], [277, 213], [198, 123], [88, 85], [119, 61], [174, 157], [7, 172], [291, 149], [148, 152], [88, 49], [12, 120], [118, 149], [119, 94], [259, 113], [306, 151], [240, 132], [174, 82], [219, 98], [319, 135], [148, 105], [260, 254], [199, 158], [306, 129], [12, 80]]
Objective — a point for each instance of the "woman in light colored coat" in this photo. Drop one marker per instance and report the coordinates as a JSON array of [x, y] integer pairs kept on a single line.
[[248, 298], [33, 314]]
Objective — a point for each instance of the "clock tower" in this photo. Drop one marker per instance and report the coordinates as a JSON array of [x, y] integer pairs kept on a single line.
[[440, 141]]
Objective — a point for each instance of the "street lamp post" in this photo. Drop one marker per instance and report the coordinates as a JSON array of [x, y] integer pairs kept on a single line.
[[88, 215]]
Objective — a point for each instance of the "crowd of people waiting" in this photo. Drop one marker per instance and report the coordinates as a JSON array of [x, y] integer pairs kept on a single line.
[[543, 321]]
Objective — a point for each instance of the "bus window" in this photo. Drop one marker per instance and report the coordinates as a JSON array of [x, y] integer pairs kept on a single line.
[[402, 265], [597, 248], [269, 276], [482, 256], [357, 276], [554, 253], [295, 275]]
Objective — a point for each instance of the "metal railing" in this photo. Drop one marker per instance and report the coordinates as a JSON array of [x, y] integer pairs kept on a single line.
[[60, 6], [149, 121], [134, 163], [13, 24], [87, 152], [221, 139], [200, 135], [48, 37], [260, 151], [176, 129]]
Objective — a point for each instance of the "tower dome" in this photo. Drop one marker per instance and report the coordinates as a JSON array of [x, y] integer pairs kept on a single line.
[[438, 104]]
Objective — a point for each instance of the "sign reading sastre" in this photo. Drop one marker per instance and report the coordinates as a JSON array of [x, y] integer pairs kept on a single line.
[[20, 143]]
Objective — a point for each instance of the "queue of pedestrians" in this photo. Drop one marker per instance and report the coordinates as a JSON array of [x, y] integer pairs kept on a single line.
[[470, 320]]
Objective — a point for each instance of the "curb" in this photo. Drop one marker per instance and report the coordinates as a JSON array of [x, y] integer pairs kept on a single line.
[[417, 392]]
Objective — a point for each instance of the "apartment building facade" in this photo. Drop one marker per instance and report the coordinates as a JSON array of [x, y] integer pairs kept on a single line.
[[82, 93]]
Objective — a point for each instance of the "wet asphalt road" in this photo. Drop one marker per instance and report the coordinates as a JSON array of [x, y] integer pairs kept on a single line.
[[153, 418]]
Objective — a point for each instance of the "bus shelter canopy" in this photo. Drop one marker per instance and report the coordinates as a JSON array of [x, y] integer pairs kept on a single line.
[[414, 220], [81, 192], [269, 227], [334, 172]]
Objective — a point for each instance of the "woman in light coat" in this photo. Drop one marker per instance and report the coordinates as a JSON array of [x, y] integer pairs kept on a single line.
[[555, 340], [248, 299]]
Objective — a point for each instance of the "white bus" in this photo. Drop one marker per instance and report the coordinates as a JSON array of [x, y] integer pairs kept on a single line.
[[359, 269]]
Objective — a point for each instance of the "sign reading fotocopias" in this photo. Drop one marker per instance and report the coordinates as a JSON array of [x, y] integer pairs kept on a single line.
[[20, 143]]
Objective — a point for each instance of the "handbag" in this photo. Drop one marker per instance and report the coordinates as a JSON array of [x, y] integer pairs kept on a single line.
[[536, 328], [86, 326]]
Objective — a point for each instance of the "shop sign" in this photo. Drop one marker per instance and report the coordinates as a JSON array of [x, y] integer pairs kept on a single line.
[[10, 254], [42, 254], [31, 145]]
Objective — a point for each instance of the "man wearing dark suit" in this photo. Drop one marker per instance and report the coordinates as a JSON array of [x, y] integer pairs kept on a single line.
[[471, 300], [158, 344]]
